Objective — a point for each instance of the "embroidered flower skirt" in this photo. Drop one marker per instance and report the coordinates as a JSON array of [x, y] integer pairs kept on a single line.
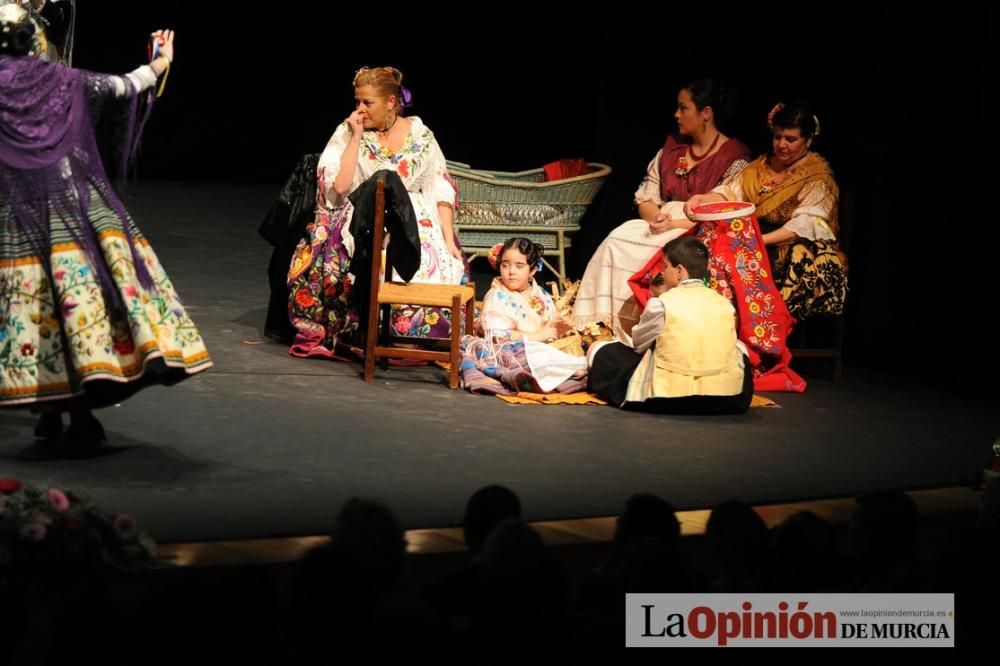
[[60, 339], [320, 306]]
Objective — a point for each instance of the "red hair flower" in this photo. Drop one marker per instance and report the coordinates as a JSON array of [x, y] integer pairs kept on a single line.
[[770, 116], [493, 256]]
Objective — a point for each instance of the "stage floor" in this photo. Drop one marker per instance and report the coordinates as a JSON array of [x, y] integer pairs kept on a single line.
[[268, 445]]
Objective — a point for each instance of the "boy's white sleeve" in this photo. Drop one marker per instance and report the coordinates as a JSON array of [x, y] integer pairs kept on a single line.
[[650, 326]]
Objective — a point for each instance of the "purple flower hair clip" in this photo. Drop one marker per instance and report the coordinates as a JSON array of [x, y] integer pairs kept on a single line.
[[406, 96]]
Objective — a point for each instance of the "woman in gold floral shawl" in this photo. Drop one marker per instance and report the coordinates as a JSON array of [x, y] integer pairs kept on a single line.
[[796, 199]]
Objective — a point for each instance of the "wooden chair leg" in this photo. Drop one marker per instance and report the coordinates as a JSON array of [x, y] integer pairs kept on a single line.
[[384, 333], [456, 337], [470, 313], [369, 364], [371, 341]]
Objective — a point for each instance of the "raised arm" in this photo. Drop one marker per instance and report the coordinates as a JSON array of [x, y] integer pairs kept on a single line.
[[343, 183], [141, 78]]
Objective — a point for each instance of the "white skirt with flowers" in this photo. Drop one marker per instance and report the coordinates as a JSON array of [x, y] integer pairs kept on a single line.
[[58, 337]]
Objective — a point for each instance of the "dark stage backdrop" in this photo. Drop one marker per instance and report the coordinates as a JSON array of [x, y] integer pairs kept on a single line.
[[902, 97]]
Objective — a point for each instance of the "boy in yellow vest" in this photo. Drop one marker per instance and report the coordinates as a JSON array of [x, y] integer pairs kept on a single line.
[[686, 359]]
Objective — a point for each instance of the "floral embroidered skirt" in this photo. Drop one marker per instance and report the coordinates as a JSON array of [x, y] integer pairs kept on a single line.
[[60, 339], [320, 306], [739, 269]]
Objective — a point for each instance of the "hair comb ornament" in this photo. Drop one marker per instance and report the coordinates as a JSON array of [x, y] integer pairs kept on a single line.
[[493, 256], [770, 116]]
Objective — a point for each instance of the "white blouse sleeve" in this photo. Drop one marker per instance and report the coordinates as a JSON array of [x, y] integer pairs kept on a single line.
[[133, 83], [732, 187], [650, 188], [329, 165], [443, 187], [650, 326], [810, 218]]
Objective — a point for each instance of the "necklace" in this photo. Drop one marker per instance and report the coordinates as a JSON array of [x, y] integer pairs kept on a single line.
[[390, 121], [695, 156]]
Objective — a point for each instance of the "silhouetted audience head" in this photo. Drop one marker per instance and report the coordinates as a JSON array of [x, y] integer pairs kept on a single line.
[[653, 564], [645, 515], [523, 593], [739, 538], [485, 508], [883, 529], [512, 550], [368, 534], [803, 555]]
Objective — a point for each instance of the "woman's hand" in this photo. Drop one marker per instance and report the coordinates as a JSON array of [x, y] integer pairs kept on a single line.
[[693, 203], [780, 237], [455, 252], [663, 223], [164, 40], [356, 122], [659, 225]]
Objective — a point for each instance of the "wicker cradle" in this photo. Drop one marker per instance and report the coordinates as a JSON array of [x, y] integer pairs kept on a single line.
[[495, 205]]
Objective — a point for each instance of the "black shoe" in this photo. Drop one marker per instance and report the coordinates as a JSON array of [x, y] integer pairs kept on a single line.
[[49, 426], [83, 436]]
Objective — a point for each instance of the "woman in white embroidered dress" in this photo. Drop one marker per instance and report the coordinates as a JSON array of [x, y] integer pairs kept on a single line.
[[375, 136], [692, 162]]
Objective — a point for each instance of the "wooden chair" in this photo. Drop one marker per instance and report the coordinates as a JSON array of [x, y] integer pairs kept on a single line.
[[807, 328], [379, 339]]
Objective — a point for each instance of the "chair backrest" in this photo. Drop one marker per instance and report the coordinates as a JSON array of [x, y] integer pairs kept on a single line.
[[378, 240]]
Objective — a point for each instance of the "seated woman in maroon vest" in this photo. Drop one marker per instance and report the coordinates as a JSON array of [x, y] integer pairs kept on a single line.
[[793, 268], [700, 157]]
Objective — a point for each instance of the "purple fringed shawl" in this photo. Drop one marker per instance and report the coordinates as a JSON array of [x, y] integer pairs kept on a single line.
[[49, 157]]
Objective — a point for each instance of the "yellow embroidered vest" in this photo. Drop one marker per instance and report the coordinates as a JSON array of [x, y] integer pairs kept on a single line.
[[696, 352]]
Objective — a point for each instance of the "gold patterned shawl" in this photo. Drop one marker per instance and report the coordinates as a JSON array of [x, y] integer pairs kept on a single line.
[[778, 204]]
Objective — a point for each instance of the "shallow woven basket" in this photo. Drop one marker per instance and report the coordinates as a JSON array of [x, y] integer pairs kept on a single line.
[[524, 198]]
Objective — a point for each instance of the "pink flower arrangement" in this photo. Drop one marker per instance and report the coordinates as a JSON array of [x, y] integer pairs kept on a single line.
[[51, 527], [58, 500]]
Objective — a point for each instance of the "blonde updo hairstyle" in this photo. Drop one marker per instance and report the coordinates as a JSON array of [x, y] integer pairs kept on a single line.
[[387, 81]]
